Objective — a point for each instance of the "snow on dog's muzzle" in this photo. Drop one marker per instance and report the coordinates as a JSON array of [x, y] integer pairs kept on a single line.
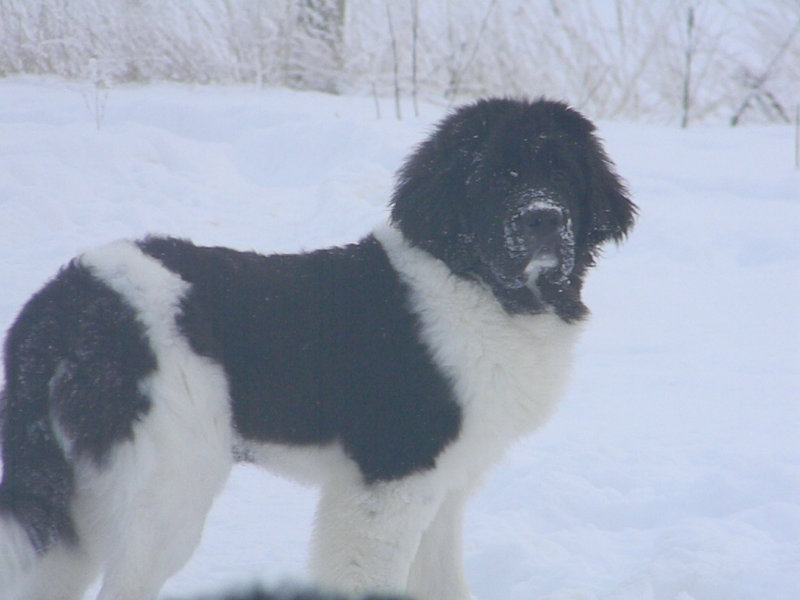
[[538, 239]]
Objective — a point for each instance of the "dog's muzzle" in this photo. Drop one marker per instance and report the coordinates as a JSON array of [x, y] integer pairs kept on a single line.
[[538, 239], [542, 227]]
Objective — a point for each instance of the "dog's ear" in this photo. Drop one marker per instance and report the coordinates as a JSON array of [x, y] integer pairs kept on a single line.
[[612, 213], [429, 200]]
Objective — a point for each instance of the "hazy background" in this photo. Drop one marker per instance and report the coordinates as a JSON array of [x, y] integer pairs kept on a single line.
[[667, 61]]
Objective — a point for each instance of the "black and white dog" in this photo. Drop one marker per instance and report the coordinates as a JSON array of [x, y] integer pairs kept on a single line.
[[393, 372]]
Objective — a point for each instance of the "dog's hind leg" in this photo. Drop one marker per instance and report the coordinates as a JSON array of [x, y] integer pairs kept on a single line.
[[41, 555], [62, 573], [149, 505], [142, 508]]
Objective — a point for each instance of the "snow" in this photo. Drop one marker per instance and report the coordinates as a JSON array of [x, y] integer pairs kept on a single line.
[[672, 469]]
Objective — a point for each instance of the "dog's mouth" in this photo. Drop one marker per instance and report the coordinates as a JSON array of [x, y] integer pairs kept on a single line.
[[544, 260], [547, 262]]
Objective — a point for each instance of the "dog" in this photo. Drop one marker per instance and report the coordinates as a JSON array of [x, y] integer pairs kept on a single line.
[[392, 372]]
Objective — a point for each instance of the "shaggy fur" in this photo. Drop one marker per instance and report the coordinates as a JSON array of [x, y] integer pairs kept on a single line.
[[392, 372]]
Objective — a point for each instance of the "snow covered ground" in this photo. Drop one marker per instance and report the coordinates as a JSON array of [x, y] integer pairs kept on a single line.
[[671, 471]]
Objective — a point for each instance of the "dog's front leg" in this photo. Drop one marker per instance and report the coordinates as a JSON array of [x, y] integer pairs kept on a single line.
[[366, 536], [437, 572]]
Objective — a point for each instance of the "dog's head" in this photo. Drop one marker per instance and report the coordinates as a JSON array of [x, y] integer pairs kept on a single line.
[[518, 195]]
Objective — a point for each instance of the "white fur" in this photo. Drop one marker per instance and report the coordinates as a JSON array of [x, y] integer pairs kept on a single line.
[[308, 465], [437, 570], [16, 553]]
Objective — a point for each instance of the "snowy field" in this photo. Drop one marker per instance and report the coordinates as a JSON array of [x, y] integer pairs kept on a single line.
[[672, 469]]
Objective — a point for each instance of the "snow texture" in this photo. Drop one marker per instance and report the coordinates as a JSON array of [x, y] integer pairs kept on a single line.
[[672, 469]]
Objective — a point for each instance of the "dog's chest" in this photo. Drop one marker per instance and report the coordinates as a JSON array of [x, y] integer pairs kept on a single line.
[[507, 371]]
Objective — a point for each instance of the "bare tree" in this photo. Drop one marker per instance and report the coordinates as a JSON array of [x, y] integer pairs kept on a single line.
[[414, 43], [395, 63], [687, 71], [678, 60], [756, 85], [316, 45], [455, 88]]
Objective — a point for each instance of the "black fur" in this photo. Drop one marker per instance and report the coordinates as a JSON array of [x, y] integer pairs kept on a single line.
[[457, 192], [75, 355], [318, 347]]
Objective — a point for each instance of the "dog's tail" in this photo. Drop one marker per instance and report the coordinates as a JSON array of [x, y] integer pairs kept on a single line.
[[34, 504], [37, 479]]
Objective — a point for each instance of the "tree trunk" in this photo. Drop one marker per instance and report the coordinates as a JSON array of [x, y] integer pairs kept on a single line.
[[315, 58], [686, 101]]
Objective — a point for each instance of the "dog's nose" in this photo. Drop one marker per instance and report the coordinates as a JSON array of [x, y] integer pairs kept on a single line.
[[541, 222]]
